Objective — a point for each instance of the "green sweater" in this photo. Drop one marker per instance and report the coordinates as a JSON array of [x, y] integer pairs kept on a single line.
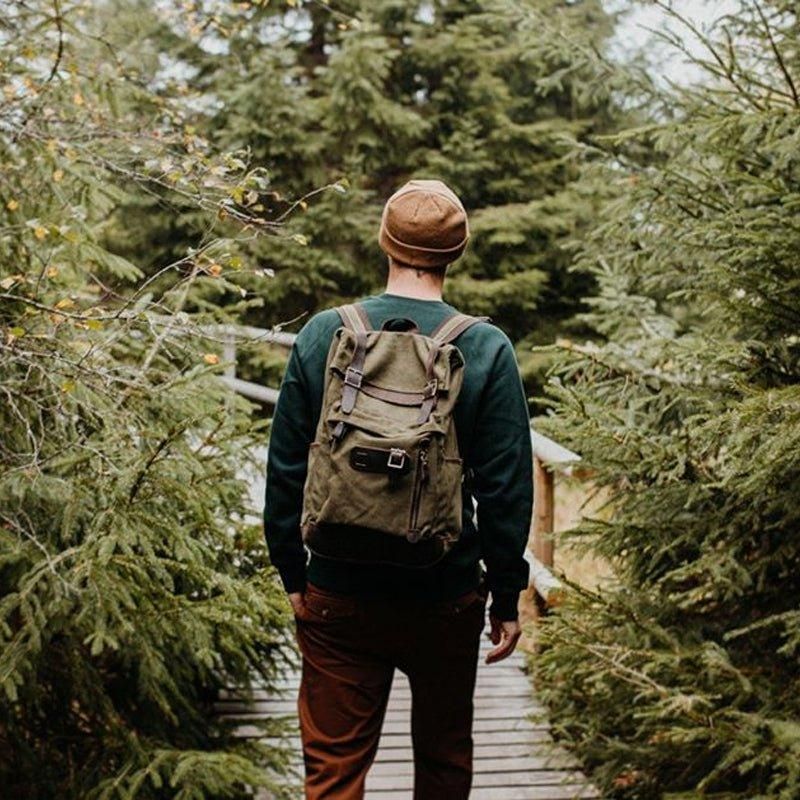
[[493, 430]]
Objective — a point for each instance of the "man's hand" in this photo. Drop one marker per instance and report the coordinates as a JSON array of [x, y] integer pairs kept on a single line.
[[505, 635], [298, 603]]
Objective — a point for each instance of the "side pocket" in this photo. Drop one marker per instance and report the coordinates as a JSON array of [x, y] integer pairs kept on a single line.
[[313, 490], [450, 510]]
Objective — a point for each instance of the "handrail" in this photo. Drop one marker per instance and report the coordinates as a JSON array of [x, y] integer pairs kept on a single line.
[[547, 453]]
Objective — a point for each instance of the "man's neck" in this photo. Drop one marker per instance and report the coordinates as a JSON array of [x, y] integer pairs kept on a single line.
[[416, 284]]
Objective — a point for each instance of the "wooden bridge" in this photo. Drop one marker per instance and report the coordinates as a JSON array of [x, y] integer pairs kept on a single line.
[[515, 757]]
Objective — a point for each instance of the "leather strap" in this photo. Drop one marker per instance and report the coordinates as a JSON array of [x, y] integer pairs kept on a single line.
[[393, 396], [354, 318], [354, 374], [449, 330], [428, 402]]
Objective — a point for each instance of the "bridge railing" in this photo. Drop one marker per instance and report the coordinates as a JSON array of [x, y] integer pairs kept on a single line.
[[549, 456]]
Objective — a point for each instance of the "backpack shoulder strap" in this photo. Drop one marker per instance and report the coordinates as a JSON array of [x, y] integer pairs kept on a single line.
[[452, 327], [446, 332], [354, 317]]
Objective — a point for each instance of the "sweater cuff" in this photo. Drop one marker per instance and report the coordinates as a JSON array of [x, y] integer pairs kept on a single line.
[[504, 606], [293, 578]]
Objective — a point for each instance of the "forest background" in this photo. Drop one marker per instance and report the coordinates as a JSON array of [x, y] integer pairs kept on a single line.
[[168, 165]]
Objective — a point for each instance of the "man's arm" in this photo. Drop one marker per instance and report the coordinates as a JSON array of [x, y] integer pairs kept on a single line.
[[502, 466], [290, 436]]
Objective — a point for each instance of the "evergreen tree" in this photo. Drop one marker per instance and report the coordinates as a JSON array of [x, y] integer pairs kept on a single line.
[[133, 576], [681, 677], [492, 97]]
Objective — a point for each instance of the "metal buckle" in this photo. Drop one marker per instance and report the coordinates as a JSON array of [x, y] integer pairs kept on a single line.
[[353, 377], [397, 458], [431, 388]]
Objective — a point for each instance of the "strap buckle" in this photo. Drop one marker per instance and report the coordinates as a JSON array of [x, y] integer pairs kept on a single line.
[[353, 377], [431, 387], [397, 458]]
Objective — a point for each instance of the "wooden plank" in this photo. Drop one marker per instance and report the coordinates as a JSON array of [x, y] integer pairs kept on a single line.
[[574, 792], [401, 724], [479, 751], [521, 778], [483, 705], [512, 767]]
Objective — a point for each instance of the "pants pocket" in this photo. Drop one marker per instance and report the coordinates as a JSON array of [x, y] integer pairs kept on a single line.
[[326, 606]]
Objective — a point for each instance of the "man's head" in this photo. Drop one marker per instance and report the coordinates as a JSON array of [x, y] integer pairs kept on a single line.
[[424, 227]]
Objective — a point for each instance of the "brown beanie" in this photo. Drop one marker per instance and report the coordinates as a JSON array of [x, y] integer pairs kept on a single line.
[[424, 225]]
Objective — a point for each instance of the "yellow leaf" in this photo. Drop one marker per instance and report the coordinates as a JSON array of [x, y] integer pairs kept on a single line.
[[303, 204], [211, 358], [39, 232], [77, 98], [94, 324], [65, 302], [17, 331], [8, 282], [12, 205], [67, 386], [58, 176], [215, 270], [52, 272], [300, 239]]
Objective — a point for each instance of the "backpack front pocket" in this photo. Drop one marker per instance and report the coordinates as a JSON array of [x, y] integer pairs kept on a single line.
[[377, 482]]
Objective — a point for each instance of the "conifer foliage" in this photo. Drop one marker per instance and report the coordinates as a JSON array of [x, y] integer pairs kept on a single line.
[[133, 582], [483, 95], [682, 677]]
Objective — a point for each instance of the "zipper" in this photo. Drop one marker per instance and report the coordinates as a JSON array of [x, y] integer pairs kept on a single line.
[[421, 477]]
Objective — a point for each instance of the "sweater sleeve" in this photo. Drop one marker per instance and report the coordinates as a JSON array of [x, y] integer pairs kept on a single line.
[[291, 434], [502, 467]]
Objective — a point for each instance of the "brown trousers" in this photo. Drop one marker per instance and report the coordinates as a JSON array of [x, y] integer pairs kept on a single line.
[[351, 647]]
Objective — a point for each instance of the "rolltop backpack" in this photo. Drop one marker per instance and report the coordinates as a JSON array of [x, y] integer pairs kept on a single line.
[[384, 471]]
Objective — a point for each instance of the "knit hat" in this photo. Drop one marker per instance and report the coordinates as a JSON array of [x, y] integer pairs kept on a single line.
[[424, 225]]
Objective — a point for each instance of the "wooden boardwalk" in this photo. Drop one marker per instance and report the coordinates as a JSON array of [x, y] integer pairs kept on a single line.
[[515, 756]]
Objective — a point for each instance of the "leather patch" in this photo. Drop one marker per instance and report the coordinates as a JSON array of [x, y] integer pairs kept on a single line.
[[389, 461]]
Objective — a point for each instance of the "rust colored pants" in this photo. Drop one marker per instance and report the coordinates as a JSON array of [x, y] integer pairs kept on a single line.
[[351, 647]]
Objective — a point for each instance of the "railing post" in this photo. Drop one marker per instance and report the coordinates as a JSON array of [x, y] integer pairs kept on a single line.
[[543, 492], [229, 352]]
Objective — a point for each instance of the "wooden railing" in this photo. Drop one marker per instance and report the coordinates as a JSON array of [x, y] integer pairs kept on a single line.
[[549, 456]]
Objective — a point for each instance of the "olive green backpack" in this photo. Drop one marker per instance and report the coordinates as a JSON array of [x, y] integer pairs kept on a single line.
[[384, 471]]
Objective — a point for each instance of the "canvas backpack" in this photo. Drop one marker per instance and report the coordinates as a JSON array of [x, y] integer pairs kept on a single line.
[[384, 470]]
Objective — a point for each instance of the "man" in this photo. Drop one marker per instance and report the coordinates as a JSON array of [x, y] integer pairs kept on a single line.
[[356, 623]]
